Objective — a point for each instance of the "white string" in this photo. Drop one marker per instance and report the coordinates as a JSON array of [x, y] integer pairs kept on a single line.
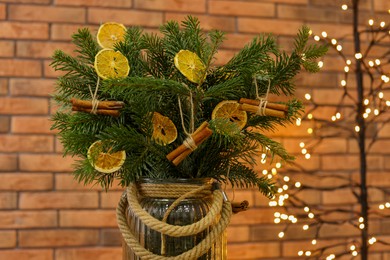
[[189, 141], [95, 101], [262, 107]]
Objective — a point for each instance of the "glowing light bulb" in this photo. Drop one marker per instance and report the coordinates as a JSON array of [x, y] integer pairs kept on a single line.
[[339, 47], [361, 219], [286, 178], [387, 205], [280, 190], [333, 118], [344, 7], [298, 121], [317, 38], [277, 220], [307, 156], [304, 151], [310, 215], [308, 253], [298, 184], [343, 83], [371, 63], [354, 253], [382, 24], [357, 129], [285, 187], [380, 95], [388, 103], [338, 115], [348, 62], [281, 234], [310, 116], [300, 253], [376, 112], [272, 203], [381, 206], [269, 176], [377, 62], [324, 34], [366, 102], [368, 110], [310, 130], [314, 242], [301, 144], [284, 216], [361, 226], [358, 56], [306, 209], [371, 22], [365, 115], [278, 165], [307, 96], [352, 247], [334, 41], [346, 69], [277, 214], [305, 227], [265, 172], [320, 64]]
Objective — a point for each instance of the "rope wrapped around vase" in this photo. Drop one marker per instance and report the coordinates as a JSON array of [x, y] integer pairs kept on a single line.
[[220, 210]]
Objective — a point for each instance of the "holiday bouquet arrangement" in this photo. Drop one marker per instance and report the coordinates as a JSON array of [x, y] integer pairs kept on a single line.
[[151, 109]]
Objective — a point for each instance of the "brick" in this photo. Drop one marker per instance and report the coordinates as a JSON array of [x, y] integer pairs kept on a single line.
[[88, 218], [58, 200], [237, 233], [26, 143], [58, 238], [20, 68], [52, 14], [127, 17], [337, 162], [241, 8], [225, 24], [4, 124], [339, 196], [7, 239], [257, 25], [66, 181], [27, 1], [253, 216], [110, 199], [3, 11], [195, 6], [45, 163], [16, 106], [7, 48], [49, 72], [3, 87], [25, 181], [111, 237], [28, 219], [19, 30], [8, 200], [334, 230], [318, 14], [378, 146], [32, 125], [65, 31], [101, 3], [34, 49], [96, 253], [237, 41], [30, 254], [8, 162], [242, 251]]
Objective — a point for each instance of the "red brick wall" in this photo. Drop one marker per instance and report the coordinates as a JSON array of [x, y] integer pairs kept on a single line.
[[44, 213]]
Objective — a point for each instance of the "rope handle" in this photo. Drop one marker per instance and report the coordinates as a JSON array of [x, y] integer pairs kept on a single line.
[[194, 253], [172, 230]]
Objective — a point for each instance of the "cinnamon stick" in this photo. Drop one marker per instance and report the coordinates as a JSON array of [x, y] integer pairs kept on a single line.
[[269, 104], [240, 206], [268, 112], [181, 152], [107, 105], [107, 112]]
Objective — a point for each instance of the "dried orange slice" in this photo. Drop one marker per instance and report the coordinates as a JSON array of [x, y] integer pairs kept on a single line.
[[230, 109], [102, 158], [190, 65], [110, 33], [111, 64], [164, 130]]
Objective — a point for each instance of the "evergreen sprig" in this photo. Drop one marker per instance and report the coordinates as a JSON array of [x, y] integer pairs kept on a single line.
[[154, 84]]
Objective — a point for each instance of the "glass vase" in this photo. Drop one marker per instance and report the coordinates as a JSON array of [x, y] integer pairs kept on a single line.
[[188, 211]]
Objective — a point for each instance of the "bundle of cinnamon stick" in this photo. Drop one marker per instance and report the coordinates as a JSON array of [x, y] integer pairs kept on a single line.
[[199, 136], [271, 109], [110, 108]]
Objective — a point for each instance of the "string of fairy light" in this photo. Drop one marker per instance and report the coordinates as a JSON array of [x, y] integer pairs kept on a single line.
[[375, 104]]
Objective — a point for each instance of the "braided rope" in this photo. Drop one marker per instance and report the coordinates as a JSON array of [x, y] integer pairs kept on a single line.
[[225, 212]]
